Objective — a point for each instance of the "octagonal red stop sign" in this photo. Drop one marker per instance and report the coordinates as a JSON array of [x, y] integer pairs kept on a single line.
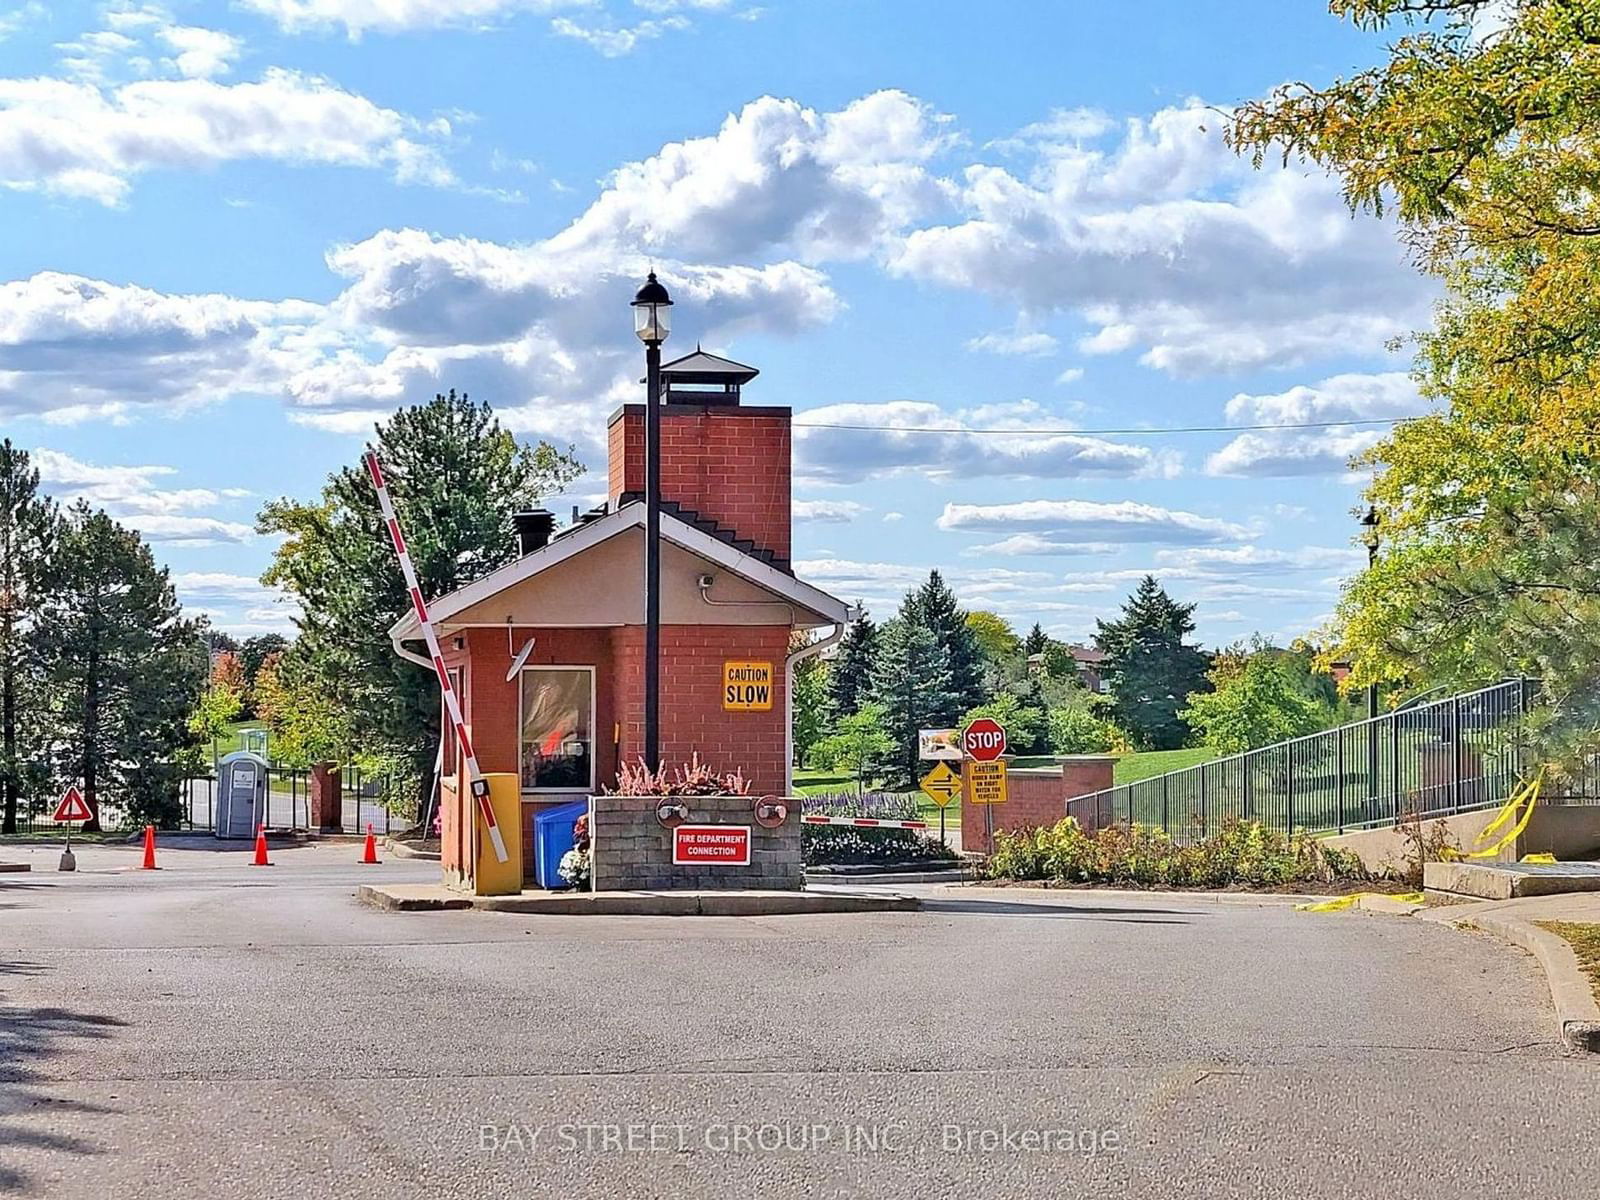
[[984, 740]]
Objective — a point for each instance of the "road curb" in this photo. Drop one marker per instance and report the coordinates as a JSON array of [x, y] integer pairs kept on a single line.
[[401, 850], [1018, 894], [1577, 1013], [637, 904]]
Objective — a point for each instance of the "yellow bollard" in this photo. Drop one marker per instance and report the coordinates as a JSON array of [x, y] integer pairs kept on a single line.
[[491, 876]]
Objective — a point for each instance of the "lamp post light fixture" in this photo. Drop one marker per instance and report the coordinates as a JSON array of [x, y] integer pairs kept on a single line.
[[1370, 522], [652, 321]]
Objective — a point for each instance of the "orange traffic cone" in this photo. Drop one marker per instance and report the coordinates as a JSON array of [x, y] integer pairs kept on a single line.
[[369, 855], [261, 859], [150, 849]]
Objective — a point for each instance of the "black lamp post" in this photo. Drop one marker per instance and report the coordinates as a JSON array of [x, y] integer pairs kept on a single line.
[[1370, 521], [652, 322]]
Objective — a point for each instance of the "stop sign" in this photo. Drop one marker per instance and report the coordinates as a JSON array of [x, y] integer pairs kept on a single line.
[[984, 740]]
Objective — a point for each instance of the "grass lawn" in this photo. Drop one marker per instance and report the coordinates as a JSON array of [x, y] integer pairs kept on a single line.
[[1131, 768], [1584, 938], [234, 739]]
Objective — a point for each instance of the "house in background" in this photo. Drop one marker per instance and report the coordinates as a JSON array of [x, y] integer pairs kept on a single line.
[[547, 653], [1090, 663]]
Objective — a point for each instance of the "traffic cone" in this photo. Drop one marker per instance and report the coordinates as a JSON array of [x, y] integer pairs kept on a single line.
[[369, 855], [261, 859], [150, 849]]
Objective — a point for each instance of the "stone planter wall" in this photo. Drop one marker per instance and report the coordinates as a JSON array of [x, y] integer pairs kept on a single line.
[[632, 851]]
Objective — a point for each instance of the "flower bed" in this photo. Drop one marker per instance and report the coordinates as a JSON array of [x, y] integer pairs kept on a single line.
[[843, 845]]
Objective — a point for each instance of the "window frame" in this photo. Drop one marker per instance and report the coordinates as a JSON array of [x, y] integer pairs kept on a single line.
[[594, 741], [450, 764]]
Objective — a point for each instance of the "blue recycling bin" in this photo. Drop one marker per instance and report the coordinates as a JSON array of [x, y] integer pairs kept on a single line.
[[552, 838]]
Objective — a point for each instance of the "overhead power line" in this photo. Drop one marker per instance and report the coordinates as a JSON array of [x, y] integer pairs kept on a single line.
[[1030, 430]]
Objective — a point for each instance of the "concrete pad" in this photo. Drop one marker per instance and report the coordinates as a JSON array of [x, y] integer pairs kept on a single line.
[[1376, 902], [433, 897], [1510, 881]]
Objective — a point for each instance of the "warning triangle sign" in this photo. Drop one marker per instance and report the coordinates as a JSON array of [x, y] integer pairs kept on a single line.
[[72, 807]]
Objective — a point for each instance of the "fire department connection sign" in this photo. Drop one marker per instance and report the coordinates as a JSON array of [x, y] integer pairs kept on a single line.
[[711, 845], [746, 686]]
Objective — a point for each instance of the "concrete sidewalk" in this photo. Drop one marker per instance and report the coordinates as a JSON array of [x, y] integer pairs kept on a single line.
[[710, 903], [1577, 1013]]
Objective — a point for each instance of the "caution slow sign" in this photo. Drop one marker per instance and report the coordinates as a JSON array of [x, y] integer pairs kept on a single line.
[[747, 686]]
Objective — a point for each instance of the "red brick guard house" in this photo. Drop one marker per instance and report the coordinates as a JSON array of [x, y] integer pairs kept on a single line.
[[564, 711]]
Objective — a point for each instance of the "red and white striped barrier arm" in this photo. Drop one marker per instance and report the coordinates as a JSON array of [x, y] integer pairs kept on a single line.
[[452, 703], [863, 822]]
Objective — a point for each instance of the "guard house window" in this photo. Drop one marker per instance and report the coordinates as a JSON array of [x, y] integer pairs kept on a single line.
[[447, 737], [557, 728]]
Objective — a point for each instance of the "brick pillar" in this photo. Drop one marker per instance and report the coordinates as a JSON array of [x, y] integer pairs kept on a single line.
[[327, 802]]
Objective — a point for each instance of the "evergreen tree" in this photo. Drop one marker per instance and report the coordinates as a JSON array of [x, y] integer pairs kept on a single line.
[[122, 664], [28, 527], [850, 673], [1150, 669], [1036, 642], [456, 477], [912, 683], [934, 605]]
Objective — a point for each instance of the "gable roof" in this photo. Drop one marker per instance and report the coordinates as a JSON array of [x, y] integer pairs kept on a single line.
[[702, 367], [591, 533]]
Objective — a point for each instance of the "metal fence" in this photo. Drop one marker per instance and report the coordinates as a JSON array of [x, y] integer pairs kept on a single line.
[[1445, 757], [287, 804]]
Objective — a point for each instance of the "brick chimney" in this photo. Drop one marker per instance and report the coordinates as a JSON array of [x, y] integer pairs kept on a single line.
[[719, 458]]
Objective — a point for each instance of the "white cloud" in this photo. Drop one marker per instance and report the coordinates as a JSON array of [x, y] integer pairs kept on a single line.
[[1032, 543], [1015, 344], [1170, 242], [192, 531], [78, 138], [911, 435], [614, 41], [1070, 376], [132, 496], [776, 178], [1351, 397], [200, 53], [1075, 522], [394, 16], [894, 516], [828, 511]]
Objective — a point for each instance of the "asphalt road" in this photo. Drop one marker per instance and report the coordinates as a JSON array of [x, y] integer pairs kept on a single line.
[[220, 1030]]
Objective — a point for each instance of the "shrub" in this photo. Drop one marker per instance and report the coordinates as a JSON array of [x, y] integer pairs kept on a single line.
[[1079, 731], [692, 779], [1240, 853]]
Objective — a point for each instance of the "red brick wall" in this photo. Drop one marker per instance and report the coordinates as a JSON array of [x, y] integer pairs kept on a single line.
[[692, 716], [730, 464], [1036, 797]]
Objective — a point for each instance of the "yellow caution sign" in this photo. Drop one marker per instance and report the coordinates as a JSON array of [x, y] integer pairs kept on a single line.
[[747, 686], [941, 785], [985, 782]]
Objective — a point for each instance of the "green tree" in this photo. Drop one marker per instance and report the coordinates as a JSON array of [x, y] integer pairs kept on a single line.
[[850, 673], [934, 605], [308, 726], [809, 707], [122, 663], [994, 635], [1257, 699], [1025, 725], [859, 746], [1036, 641], [252, 653], [1151, 670], [1058, 661], [1487, 148], [911, 682], [1076, 730], [456, 477], [29, 525]]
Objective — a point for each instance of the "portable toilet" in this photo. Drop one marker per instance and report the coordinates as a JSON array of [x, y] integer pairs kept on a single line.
[[552, 838], [241, 794]]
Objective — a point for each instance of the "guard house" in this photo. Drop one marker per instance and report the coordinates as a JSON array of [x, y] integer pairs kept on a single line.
[[547, 653]]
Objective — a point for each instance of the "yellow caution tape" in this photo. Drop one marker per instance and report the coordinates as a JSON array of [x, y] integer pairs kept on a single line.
[[1546, 859], [1340, 903], [1523, 799]]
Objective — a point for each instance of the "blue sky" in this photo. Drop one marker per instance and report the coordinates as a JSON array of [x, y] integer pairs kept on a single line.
[[238, 233]]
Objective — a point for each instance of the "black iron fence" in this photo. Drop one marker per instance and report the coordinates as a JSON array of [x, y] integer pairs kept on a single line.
[[1432, 760]]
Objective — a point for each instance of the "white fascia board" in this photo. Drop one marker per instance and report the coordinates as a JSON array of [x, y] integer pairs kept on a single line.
[[680, 532]]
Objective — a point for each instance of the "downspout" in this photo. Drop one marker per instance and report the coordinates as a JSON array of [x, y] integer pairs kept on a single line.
[[851, 616]]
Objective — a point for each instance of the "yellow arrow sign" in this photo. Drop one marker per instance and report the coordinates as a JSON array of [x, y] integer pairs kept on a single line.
[[942, 785]]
